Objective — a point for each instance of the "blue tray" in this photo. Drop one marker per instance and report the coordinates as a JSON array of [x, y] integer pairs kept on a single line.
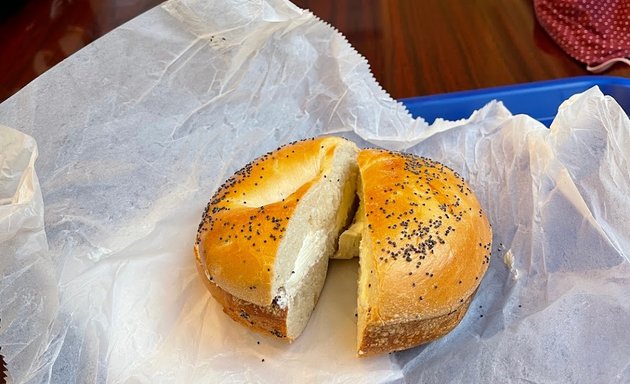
[[539, 100]]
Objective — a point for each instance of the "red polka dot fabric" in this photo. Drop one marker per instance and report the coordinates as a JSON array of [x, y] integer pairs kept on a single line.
[[595, 32]]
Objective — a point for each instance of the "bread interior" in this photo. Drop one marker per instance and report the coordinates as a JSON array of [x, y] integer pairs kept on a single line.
[[311, 238], [350, 246], [350, 238]]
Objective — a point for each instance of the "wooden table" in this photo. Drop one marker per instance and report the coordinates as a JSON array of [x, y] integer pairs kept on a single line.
[[415, 47]]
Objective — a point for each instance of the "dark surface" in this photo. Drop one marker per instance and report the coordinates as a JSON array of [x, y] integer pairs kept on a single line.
[[37, 34], [3, 367], [414, 47], [2, 370]]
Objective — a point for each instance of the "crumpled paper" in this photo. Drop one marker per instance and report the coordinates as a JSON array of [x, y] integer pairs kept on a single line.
[[28, 286], [138, 129]]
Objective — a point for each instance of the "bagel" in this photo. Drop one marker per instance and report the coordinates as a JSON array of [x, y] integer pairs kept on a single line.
[[266, 236], [425, 245], [422, 239]]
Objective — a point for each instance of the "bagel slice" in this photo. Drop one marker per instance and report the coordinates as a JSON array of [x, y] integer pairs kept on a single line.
[[424, 247], [266, 236]]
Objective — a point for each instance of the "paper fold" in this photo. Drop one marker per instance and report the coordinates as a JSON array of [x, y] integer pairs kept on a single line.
[[138, 129]]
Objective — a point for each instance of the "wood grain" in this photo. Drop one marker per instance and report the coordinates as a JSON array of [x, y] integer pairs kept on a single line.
[[436, 46], [415, 47], [37, 34]]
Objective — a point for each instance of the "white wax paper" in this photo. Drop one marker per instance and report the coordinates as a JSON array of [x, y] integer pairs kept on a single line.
[[138, 129]]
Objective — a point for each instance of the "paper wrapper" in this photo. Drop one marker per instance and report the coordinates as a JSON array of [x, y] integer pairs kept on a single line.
[[137, 130]]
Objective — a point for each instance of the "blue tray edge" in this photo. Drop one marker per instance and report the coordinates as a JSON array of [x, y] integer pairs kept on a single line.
[[539, 99]]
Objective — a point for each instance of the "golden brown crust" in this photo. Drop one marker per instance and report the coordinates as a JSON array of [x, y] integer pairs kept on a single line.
[[425, 246], [246, 219], [269, 320], [391, 337]]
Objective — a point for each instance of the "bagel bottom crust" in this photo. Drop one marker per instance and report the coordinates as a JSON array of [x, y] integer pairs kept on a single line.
[[270, 320], [391, 337], [284, 322]]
